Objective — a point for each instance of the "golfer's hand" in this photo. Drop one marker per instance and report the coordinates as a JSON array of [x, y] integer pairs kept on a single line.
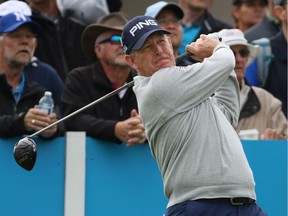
[[131, 130], [271, 134], [136, 133], [202, 48]]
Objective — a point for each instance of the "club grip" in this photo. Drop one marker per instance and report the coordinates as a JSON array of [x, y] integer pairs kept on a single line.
[[187, 55], [183, 56]]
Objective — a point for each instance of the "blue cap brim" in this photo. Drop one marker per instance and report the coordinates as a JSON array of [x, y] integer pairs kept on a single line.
[[35, 26]]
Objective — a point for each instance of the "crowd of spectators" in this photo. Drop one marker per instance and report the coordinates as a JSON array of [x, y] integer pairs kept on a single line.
[[77, 55]]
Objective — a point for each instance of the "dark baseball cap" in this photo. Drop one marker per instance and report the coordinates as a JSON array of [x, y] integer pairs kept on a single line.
[[137, 31], [154, 9]]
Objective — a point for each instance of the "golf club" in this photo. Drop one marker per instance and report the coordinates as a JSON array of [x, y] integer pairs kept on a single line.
[[25, 151]]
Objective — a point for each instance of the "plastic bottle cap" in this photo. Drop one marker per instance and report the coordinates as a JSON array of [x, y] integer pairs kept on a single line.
[[48, 93]]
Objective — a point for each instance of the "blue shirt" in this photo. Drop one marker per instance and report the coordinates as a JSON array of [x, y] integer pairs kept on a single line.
[[189, 34], [18, 91]]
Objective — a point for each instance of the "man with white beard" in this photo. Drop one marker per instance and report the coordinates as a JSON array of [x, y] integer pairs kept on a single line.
[[116, 119]]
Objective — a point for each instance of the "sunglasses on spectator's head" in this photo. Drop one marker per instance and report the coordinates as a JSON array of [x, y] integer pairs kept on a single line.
[[114, 39]]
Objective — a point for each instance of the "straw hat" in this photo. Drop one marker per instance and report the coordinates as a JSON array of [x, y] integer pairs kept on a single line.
[[112, 21]]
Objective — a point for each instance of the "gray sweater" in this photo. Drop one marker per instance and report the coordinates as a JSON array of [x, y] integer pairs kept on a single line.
[[190, 133]]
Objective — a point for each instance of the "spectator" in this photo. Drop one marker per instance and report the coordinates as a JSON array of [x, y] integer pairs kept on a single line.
[[276, 82], [169, 16], [114, 5], [19, 95], [114, 119], [268, 27], [89, 12], [60, 43], [37, 70], [259, 109], [202, 174], [197, 20], [45, 75], [247, 13]]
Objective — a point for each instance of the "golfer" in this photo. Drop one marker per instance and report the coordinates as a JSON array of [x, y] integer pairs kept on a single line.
[[201, 159]]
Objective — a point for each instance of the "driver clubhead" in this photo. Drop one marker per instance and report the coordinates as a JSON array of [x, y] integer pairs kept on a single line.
[[25, 153]]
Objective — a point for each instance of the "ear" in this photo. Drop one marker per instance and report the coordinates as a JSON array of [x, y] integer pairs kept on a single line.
[[280, 12], [98, 51], [235, 13], [1, 45], [131, 61], [35, 42]]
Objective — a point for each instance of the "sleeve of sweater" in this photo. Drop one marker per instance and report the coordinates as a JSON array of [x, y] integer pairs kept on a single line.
[[191, 85], [227, 98]]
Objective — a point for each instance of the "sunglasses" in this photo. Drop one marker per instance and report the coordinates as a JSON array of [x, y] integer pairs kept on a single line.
[[243, 53], [165, 22], [114, 39]]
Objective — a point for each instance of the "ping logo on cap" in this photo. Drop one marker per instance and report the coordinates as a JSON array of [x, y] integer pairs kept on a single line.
[[141, 25], [137, 31]]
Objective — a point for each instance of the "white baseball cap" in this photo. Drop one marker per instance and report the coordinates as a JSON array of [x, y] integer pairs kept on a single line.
[[233, 37], [15, 6]]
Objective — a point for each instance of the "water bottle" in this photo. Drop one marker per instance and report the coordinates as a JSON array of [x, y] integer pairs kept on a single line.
[[46, 103]]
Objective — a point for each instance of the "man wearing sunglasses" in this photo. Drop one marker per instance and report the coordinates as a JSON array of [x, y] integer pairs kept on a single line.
[[115, 119], [259, 109]]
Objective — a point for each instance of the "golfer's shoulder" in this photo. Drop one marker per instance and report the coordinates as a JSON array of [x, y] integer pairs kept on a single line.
[[174, 69]]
